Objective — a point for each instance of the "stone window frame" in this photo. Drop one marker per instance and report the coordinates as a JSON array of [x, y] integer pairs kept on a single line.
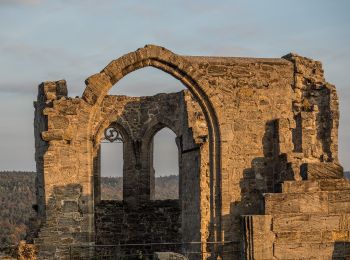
[[97, 162]]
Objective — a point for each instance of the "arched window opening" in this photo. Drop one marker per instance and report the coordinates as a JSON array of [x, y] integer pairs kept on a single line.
[[166, 165], [143, 112], [111, 152], [147, 82]]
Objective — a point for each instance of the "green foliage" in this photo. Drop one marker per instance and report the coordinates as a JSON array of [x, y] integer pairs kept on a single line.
[[17, 195]]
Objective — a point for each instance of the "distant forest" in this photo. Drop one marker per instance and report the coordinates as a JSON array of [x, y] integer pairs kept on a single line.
[[166, 188], [17, 195]]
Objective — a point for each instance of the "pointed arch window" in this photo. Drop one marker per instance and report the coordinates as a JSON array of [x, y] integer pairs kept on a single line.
[[112, 164]]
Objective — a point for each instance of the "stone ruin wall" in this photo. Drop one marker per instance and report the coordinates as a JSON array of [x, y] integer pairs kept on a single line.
[[139, 219], [274, 120], [138, 119]]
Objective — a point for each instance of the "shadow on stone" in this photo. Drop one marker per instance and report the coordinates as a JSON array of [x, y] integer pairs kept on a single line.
[[341, 251], [265, 175]]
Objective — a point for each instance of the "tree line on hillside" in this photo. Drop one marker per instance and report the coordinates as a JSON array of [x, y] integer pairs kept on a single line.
[[17, 195], [166, 187]]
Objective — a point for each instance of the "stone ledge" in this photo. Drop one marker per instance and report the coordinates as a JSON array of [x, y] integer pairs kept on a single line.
[[311, 250], [321, 170], [315, 185], [317, 202]]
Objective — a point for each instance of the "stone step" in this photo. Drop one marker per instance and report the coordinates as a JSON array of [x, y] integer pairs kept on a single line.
[[314, 186], [282, 223], [327, 202], [321, 170], [310, 222], [336, 250], [316, 236]]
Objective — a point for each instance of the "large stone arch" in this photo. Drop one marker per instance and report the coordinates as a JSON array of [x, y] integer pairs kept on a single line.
[[98, 85]]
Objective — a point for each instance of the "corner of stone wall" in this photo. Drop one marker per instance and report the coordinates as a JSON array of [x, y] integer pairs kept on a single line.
[[195, 180], [316, 113], [63, 168], [47, 93], [52, 90], [258, 237]]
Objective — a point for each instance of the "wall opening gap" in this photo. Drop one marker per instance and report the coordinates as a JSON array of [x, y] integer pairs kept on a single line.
[[166, 165], [111, 170], [147, 82]]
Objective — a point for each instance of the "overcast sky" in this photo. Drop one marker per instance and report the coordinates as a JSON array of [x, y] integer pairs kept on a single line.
[[73, 39]]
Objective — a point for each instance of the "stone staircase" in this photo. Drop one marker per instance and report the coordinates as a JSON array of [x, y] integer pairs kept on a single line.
[[309, 219]]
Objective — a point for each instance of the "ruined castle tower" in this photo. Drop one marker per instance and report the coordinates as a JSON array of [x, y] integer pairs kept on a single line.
[[259, 172]]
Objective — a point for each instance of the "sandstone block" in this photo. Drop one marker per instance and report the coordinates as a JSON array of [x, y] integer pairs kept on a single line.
[[305, 250], [305, 223], [316, 171], [258, 237]]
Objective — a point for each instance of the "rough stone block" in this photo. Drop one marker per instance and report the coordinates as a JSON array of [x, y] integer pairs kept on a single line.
[[334, 184], [70, 206], [321, 170], [305, 250], [282, 203], [300, 186], [279, 203], [258, 237], [305, 223], [313, 202]]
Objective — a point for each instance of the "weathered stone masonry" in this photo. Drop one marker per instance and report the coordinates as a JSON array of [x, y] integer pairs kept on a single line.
[[138, 119], [257, 150]]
